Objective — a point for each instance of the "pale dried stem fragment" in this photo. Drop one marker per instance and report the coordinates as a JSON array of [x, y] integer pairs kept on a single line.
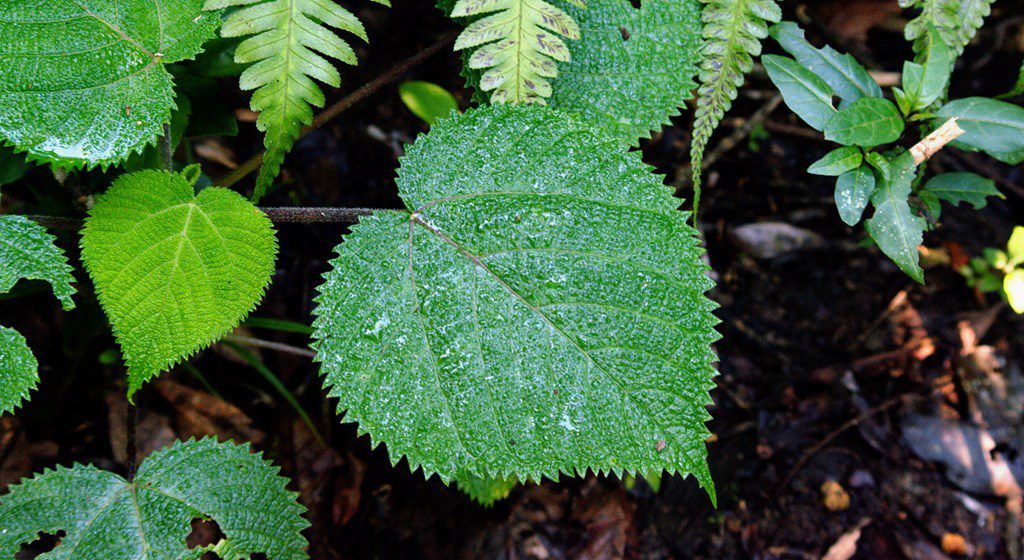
[[934, 142]]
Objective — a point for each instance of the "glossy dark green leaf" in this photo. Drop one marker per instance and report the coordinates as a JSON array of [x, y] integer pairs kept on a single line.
[[804, 92], [837, 162], [869, 121], [894, 225], [853, 191], [955, 188], [84, 83], [842, 72], [994, 127]]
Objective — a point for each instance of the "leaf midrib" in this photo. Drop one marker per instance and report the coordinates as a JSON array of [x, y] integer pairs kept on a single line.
[[121, 33]]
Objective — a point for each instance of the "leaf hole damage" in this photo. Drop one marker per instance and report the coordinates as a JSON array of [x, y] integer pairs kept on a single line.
[[46, 542], [205, 533]]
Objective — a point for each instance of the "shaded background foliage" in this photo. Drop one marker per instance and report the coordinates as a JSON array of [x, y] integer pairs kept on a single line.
[[816, 341]]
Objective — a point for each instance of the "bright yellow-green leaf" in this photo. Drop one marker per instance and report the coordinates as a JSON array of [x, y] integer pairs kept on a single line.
[[174, 271], [428, 101]]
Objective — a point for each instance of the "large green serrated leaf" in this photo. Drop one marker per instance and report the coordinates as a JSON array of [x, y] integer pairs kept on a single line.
[[105, 516], [83, 82], [632, 68], [174, 271], [894, 226], [540, 308], [19, 371], [28, 252]]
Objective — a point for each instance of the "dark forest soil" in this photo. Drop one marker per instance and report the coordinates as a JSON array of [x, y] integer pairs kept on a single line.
[[825, 351]]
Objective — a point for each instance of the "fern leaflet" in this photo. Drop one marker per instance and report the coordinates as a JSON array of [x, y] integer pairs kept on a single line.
[[956, 20], [286, 52], [518, 48], [733, 30]]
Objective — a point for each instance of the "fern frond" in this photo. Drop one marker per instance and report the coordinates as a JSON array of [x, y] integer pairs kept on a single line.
[[733, 31], [956, 20], [519, 45], [289, 47]]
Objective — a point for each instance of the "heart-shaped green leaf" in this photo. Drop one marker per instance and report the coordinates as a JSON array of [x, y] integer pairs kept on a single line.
[[538, 310], [174, 271]]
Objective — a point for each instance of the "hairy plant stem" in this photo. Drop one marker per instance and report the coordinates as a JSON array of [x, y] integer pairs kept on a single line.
[[132, 419], [278, 215]]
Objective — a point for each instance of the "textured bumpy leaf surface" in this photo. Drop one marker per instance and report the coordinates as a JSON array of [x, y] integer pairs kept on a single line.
[[733, 31], [894, 226], [540, 309], [174, 271], [105, 516], [28, 252], [869, 121], [517, 44], [486, 491], [288, 46], [632, 68], [19, 371], [83, 83]]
